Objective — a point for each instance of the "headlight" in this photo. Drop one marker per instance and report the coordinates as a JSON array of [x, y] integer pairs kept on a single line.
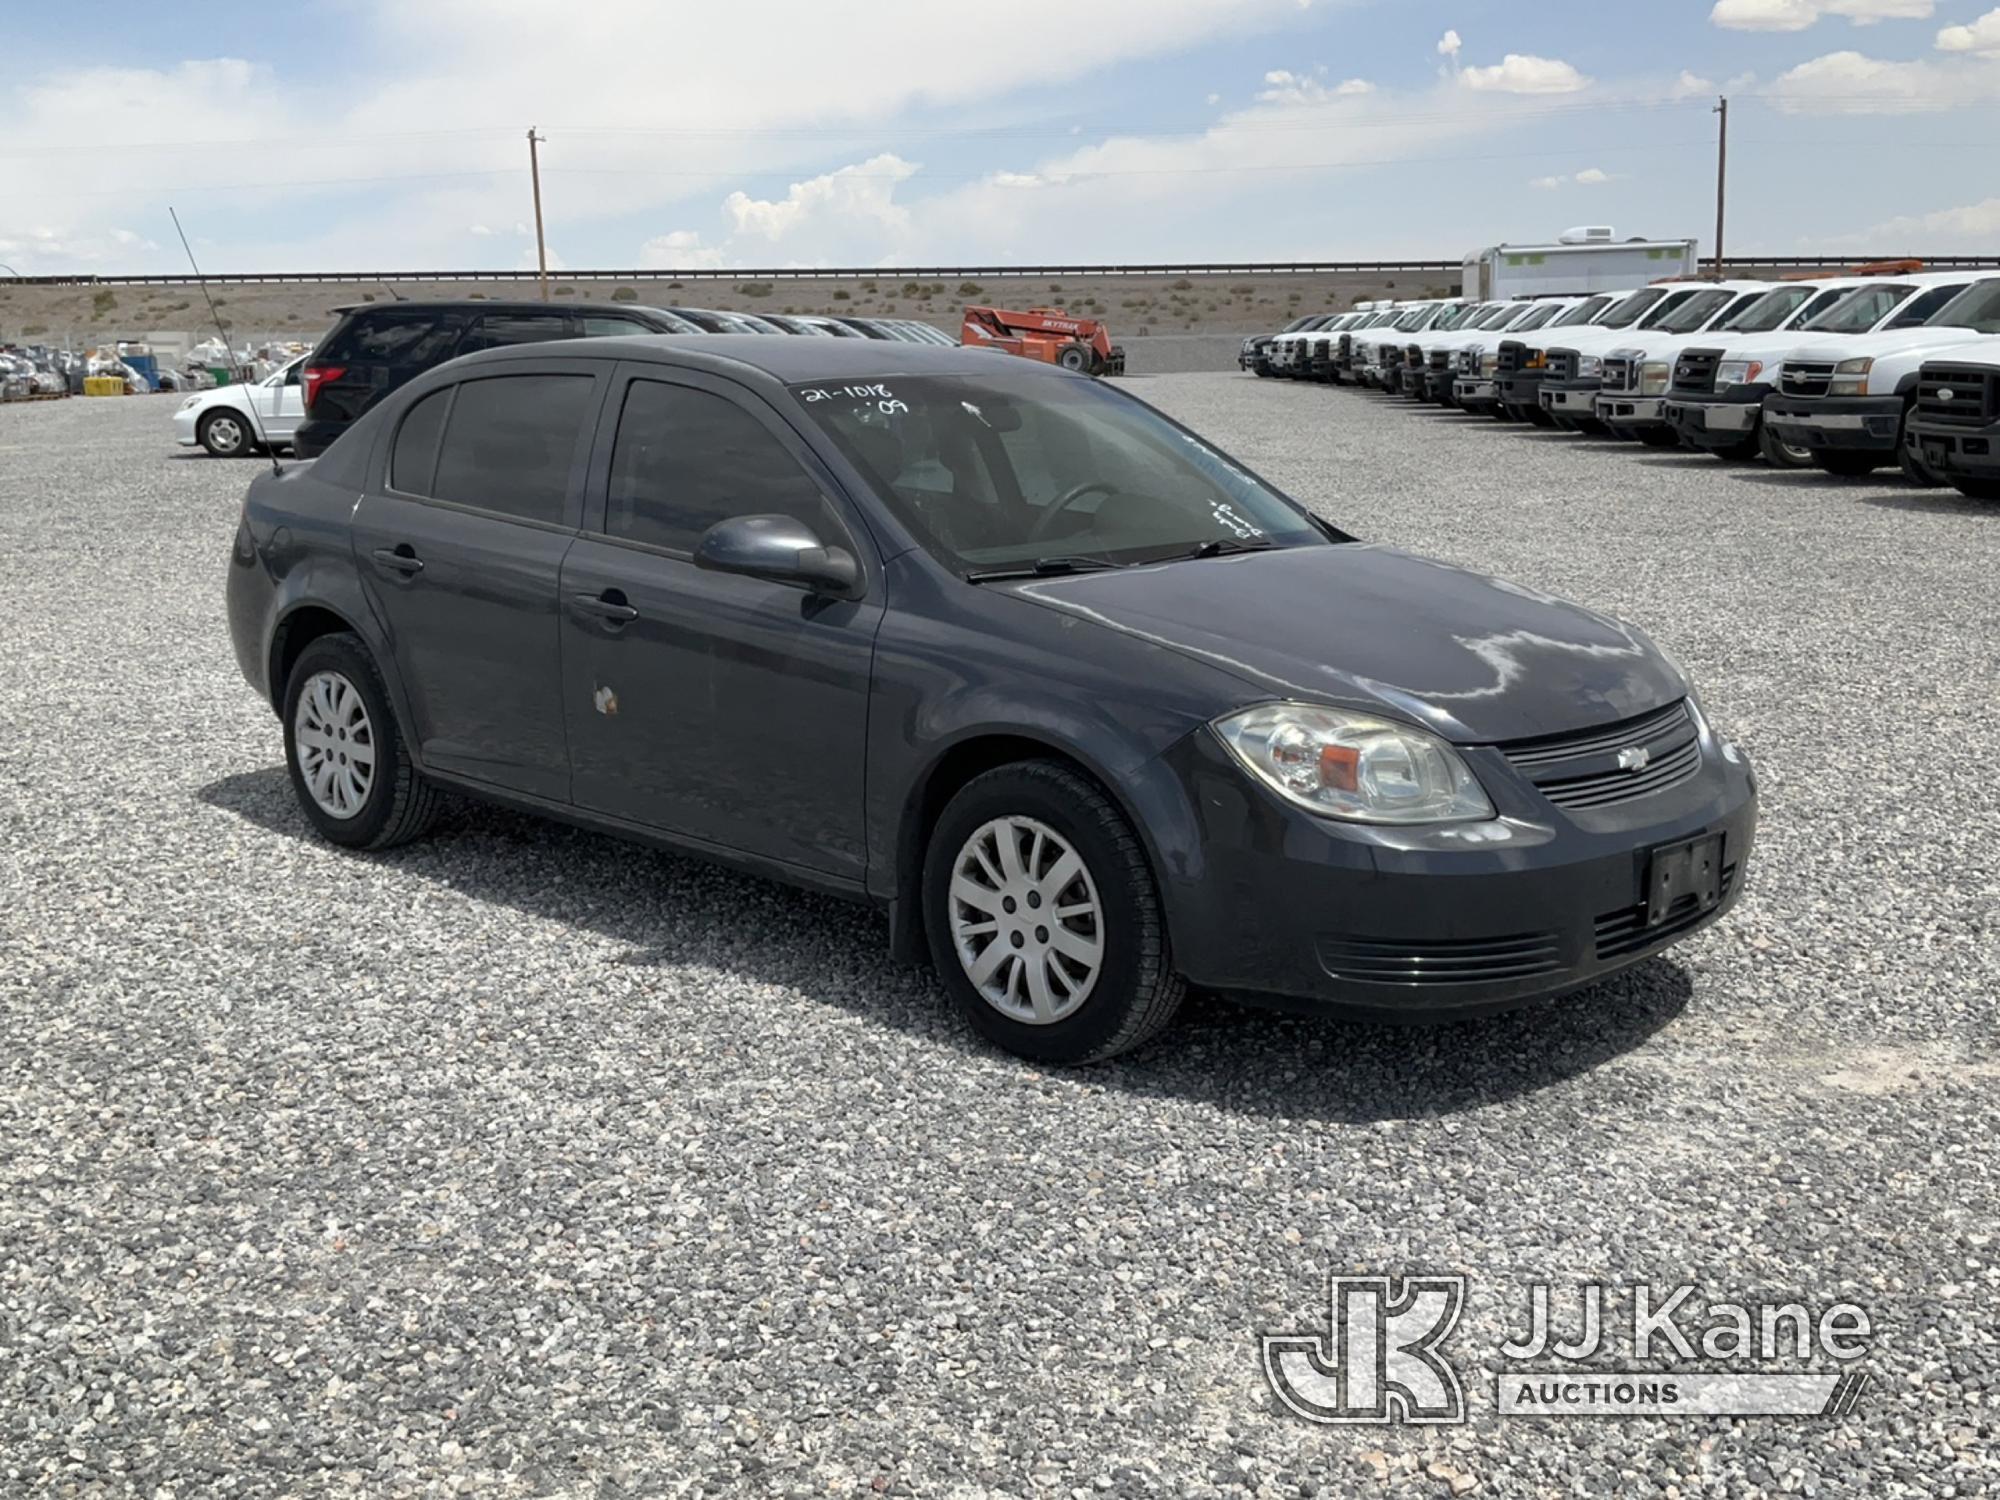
[[1850, 377], [1588, 366], [1737, 372], [1489, 364], [1347, 765], [1653, 377]]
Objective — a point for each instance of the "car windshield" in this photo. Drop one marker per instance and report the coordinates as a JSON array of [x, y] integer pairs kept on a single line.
[[1861, 309], [1451, 317], [1411, 321], [1770, 310], [1538, 318], [1693, 312], [1003, 470], [1977, 308], [1633, 308], [1583, 312]]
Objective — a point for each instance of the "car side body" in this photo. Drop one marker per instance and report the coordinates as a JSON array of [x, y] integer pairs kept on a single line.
[[234, 421]]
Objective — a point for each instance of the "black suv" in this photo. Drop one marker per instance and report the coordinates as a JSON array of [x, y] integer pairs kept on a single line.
[[377, 347]]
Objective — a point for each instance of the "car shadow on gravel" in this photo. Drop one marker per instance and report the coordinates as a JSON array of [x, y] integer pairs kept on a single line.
[[674, 910]]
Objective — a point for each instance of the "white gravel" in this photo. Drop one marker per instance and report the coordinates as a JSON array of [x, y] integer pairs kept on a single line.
[[525, 1162]]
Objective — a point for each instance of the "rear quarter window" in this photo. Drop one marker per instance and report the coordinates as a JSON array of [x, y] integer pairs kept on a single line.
[[389, 336]]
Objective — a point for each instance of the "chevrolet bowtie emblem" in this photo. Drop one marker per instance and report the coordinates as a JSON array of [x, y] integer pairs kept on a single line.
[[1634, 758]]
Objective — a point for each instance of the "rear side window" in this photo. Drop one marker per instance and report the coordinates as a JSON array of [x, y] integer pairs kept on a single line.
[[389, 336], [413, 460], [511, 444], [502, 330], [685, 459]]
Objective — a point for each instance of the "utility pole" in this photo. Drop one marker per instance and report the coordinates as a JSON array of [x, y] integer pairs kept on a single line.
[[1721, 174], [535, 175]]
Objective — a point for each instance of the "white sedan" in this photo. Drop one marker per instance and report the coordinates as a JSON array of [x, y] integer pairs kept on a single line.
[[225, 423]]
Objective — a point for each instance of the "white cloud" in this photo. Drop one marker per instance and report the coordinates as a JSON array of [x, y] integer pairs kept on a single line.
[[1353, 86], [1971, 228], [1851, 83], [1982, 36], [679, 250], [1215, 98], [1449, 44], [859, 194], [481, 230], [1588, 177], [1797, 15], [1690, 85], [1523, 73], [1286, 87]]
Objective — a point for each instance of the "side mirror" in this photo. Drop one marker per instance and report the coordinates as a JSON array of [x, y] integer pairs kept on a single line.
[[780, 550]]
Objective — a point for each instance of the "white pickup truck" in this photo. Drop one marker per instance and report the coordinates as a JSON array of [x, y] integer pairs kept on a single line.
[[1847, 401], [1437, 350], [1520, 361], [1637, 370], [1576, 364], [1716, 402], [1476, 387], [1379, 361], [1954, 427], [1282, 354]]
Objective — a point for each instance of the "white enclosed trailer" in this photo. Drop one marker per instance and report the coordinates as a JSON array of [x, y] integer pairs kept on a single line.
[[1588, 259]]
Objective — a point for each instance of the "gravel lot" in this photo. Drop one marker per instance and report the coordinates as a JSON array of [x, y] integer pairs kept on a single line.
[[524, 1162]]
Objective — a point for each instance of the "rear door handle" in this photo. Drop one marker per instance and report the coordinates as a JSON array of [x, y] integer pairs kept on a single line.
[[609, 605], [401, 558]]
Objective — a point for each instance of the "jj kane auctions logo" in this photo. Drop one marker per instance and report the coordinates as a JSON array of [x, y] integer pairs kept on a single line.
[[1381, 1357]]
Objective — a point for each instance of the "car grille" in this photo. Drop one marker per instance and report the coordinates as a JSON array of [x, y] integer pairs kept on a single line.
[[1620, 374], [1562, 364], [1513, 354], [1428, 961], [1320, 350], [1974, 400], [1440, 359], [1581, 772], [1623, 932], [1346, 346], [1807, 378], [1468, 361], [1694, 371], [1414, 355]]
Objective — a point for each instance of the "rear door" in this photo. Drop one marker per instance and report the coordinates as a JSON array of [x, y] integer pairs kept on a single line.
[[376, 350], [717, 707], [460, 542]]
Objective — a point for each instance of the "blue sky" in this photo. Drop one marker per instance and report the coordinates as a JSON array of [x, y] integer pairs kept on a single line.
[[384, 134]]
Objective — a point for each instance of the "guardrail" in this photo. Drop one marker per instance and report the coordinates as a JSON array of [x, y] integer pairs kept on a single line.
[[1733, 264]]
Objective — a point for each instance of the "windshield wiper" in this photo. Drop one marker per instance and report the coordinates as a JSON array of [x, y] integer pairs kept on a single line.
[[1216, 547], [1042, 567]]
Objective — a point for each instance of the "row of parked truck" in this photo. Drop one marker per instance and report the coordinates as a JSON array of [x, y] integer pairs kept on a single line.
[[1883, 366]]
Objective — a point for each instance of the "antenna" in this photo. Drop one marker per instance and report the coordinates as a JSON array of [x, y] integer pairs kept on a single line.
[[222, 333]]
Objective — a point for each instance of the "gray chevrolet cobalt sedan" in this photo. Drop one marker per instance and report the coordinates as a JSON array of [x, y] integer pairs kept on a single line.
[[1089, 709]]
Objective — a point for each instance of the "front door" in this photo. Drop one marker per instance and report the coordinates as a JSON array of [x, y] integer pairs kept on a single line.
[[460, 545], [716, 707]]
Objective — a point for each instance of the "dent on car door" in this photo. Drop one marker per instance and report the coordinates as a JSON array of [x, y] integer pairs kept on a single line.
[[459, 542], [721, 708]]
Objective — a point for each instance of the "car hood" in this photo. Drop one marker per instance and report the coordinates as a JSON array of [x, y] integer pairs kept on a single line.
[[1473, 658], [1767, 346], [1876, 345]]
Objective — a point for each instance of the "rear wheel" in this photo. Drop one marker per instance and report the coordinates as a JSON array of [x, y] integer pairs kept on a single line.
[[224, 433], [1043, 918], [1075, 357], [350, 770]]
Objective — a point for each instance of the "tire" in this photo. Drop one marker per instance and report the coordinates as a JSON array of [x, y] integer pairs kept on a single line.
[[1978, 489], [1849, 465], [1659, 437], [394, 804], [1916, 471], [1076, 357], [225, 433], [1041, 806], [1741, 452], [1781, 455]]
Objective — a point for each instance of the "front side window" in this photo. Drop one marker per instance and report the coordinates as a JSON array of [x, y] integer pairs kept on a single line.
[[1001, 470], [685, 459], [511, 444], [1943, 306]]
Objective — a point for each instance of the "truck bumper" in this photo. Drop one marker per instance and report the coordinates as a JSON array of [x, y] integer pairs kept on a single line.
[[1717, 422], [1569, 398], [1840, 423], [1630, 411], [1476, 392], [1953, 450]]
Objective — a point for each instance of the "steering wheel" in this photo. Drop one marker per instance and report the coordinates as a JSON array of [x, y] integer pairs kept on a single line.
[[1062, 503]]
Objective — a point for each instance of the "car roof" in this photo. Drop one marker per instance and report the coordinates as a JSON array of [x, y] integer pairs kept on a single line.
[[782, 356], [487, 304]]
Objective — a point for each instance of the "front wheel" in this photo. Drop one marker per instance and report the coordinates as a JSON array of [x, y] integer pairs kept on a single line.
[[1075, 357], [350, 770], [224, 433], [1043, 918]]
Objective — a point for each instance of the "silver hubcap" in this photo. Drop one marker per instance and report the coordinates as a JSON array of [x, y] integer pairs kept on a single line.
[[1026, 920], [336, 744], [225, 434]]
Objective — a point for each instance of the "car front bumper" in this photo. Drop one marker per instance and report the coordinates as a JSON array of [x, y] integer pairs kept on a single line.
[[1627, 410], [184, 425], [1717, 421], [1850, 423], [1440, 921], [1955, 449], [1569, 398], [1522, 388], [1476, 390]]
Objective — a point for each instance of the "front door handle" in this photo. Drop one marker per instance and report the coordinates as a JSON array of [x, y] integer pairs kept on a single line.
[[609, 606], [402, 558]]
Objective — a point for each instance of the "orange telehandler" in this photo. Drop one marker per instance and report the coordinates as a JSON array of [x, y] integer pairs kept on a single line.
[[1045, 333]]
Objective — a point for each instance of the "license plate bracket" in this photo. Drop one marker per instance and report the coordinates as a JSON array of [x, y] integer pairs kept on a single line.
[[1674, 872], [1934, 453]]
